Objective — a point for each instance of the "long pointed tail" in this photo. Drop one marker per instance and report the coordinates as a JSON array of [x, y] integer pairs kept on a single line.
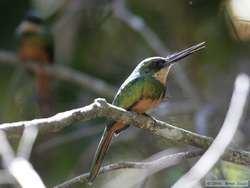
[[44, 92], [100, 153]]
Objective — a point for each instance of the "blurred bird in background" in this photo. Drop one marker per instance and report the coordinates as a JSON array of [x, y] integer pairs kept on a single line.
[[35, 45]]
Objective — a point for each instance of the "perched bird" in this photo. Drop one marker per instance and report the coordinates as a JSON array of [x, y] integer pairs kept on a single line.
[[143, 90], [35, 44]]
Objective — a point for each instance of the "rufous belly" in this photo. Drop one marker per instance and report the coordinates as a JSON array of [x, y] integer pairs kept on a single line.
[[31, 52], [146, 104]]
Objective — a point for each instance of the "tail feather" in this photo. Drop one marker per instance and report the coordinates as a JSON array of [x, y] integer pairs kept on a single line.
[[100, 153], [45, 99]]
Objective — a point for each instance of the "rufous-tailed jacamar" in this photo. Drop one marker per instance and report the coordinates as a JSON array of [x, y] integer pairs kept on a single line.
[[35, 44], [143, 90]]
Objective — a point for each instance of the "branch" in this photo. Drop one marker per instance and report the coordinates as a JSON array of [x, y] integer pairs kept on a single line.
[[6, 152], [87, 82], [18, 167], [62, 73], [25, 174], [224, 137], [100, 108], [171, 159], [27, 142], [165, 109]]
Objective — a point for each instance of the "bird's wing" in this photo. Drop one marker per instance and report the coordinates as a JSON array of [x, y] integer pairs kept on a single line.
[[153, 89], [129, 93]]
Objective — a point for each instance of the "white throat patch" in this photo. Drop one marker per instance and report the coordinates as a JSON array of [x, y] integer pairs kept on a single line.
[[161, 75]]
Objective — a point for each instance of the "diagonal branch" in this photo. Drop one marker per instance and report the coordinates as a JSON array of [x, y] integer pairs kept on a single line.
[[63, 73], [100, 108], [224, 137], [171, 160]]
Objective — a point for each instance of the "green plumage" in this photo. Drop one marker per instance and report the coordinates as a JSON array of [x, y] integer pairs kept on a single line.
[[34, 30], [136, 89], [41, 38], [141, 91], [137, 86]]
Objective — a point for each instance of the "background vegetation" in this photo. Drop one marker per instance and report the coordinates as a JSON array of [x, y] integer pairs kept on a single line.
[[90, 38]]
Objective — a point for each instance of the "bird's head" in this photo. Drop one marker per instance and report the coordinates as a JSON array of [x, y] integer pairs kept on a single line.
[[31, 23], [159, 67]]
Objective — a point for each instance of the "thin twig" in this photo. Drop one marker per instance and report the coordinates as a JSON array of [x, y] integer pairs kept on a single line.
[[88, 82], [18, 167], [129, 179], [25, 174], [6, 151], [171, 159], [27, 141], [63, 73], [224, 137]]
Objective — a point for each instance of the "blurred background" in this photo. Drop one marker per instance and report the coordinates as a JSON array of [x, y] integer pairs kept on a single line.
[[104, 41]]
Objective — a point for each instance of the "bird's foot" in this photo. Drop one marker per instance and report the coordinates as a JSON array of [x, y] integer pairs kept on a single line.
[[149, 116], [117, 134]]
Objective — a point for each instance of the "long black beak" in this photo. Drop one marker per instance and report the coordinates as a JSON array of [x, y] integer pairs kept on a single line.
[[184, 53]]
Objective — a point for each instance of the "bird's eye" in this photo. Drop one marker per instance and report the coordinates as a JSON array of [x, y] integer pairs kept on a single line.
[[154, 65], [160, 63]]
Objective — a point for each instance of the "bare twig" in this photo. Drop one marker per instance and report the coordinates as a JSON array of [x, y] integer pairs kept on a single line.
[[129, 179], [223, 139], [66, 74], [27, 141], [18, 167], [6, 151], [161, 111], [138, 24], [87, 82], [100, 108], [149, 165], [25, 174]]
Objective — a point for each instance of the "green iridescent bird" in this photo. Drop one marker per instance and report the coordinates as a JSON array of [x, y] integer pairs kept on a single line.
[[143, 90], [35, 44]]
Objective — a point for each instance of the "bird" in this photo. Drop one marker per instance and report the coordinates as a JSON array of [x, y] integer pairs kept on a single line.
[[36, 45], [142, 91]]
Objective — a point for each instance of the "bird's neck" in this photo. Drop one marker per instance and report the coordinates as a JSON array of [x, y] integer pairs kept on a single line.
[[161, 75]]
